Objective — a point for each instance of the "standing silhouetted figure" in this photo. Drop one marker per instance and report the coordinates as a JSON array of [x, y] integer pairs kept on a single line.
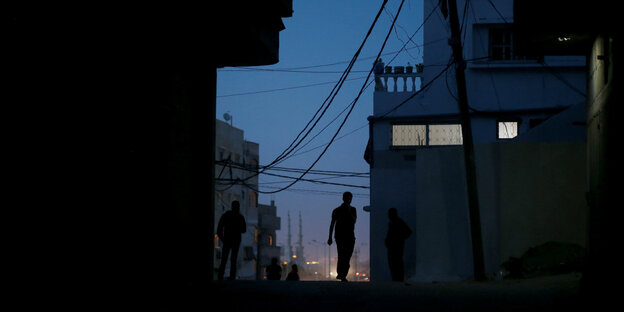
[[231, 225], [379, 69], [398, 231], [274, 270], [293, 275], [343, 218]]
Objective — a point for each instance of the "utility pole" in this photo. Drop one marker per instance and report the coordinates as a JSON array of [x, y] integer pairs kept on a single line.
[[468, 144], [290, 254]]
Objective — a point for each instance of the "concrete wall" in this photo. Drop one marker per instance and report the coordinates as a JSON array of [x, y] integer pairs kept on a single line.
[[604, 162], [529, 193]]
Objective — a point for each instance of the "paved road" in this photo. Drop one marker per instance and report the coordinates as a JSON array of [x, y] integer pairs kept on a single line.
[[552, 293]]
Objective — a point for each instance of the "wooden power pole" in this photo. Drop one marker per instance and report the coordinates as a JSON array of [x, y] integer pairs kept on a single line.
[[468, 144]]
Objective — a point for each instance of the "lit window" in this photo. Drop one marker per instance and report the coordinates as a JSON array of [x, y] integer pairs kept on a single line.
[[507, 129], [409, 135], [270, 240], [445, 135], [253, 200], [423, 135]]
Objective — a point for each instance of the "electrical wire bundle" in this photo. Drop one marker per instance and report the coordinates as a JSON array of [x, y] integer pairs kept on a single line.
[[316, 118]]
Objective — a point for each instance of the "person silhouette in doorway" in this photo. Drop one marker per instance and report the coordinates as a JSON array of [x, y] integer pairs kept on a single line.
[[231, 225], [343, 219], [398, 232]]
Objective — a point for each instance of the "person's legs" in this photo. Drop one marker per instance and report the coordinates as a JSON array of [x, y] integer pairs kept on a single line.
[[340, 264], [345, 250], [234, 259], [395, 261], [224, 256]]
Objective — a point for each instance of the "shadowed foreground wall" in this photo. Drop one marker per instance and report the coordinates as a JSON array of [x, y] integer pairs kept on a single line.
[[529, 193]]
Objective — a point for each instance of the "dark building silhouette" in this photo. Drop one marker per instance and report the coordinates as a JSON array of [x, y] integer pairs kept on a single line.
[[592, 29], [129, 140]]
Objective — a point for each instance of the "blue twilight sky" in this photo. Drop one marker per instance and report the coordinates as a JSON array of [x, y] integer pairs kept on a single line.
[[320, 32]]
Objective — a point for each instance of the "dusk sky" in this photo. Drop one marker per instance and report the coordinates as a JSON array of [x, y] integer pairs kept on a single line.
[[272, 104]]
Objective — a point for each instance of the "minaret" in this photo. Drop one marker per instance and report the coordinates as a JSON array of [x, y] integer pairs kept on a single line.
[[300, 243]]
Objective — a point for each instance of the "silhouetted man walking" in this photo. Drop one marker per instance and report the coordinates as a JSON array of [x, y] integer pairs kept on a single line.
[[343, 218], [398, 232], [231, 225]]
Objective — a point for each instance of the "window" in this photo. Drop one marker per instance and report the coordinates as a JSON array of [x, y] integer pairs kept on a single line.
[[248, 253], [426, 135], [445, 135], [409, 135], [501, 44], [507, 130], [253, 200], [254, 164]]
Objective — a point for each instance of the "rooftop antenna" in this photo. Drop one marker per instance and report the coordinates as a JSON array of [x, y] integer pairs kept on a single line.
[[228, 117]]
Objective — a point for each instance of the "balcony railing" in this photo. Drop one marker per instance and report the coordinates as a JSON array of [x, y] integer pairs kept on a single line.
[[405, 74]]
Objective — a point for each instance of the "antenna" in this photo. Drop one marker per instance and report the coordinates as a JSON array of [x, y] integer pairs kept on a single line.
[[228, 117]]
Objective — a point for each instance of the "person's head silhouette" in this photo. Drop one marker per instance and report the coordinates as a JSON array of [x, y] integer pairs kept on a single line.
[[347, 197], [392, 213], [236, 206]]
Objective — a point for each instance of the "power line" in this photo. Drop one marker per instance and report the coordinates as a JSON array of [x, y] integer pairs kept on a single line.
[[332, 174], [324, 172], [287, 88], [284, 70], [416, 31], [356, 99], [498, 12], [234, 181], [322, 109], [425, 86], [229, 163], [303, 70], [321, 192], [445, 70], [284, 156], [297, 153], [330, 97], [396, 53]]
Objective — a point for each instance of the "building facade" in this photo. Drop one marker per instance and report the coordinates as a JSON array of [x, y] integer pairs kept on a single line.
[[268, 224], [236, 165], [529, 130]]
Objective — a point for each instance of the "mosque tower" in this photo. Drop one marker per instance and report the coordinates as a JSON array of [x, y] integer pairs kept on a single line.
[[299, 248]]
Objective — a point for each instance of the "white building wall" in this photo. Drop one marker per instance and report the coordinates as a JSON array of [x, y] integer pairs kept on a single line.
[[427, 184], [502, 85], [429, 194]]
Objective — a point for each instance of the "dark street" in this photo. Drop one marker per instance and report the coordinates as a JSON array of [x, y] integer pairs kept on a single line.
[[549, 293]]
